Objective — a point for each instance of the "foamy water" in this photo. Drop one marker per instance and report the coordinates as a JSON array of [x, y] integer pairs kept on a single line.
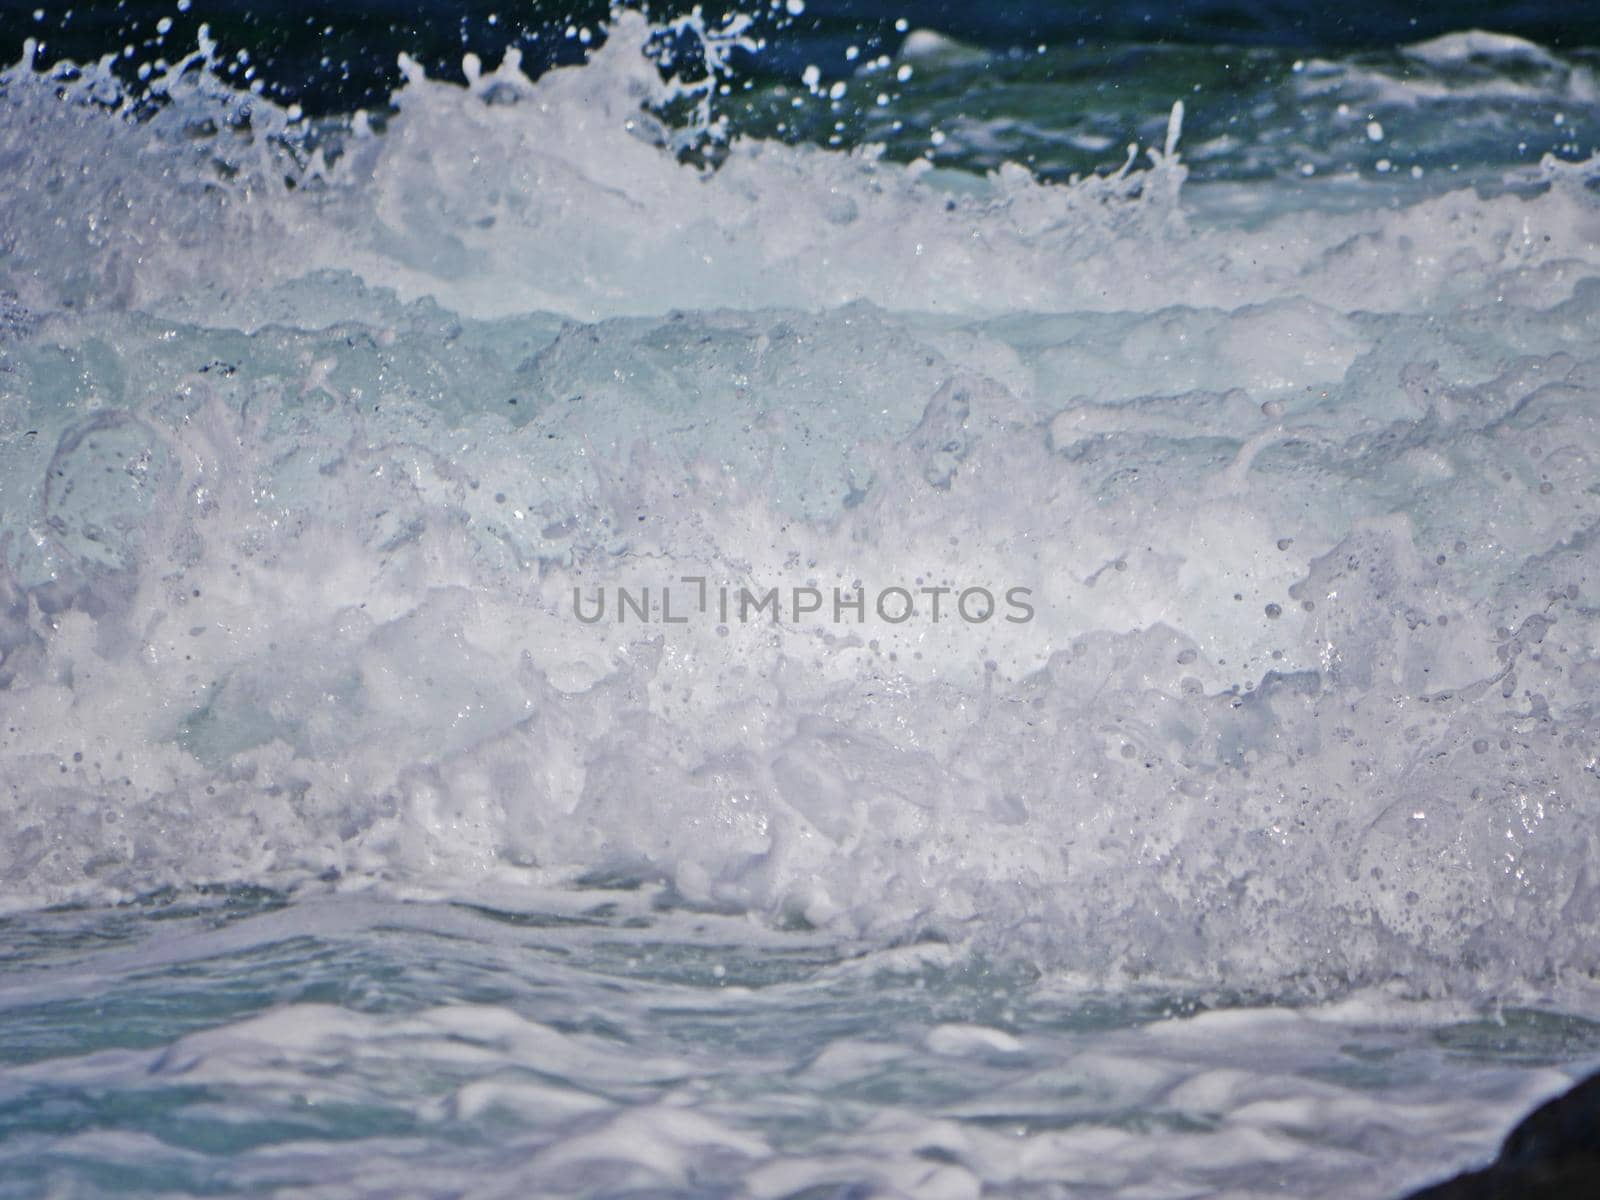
[[1278, 728]]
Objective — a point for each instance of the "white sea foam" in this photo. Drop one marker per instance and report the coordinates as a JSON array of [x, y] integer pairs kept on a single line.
[[298, 483]]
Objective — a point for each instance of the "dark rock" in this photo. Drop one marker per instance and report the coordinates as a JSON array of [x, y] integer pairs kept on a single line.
[[1554, 1154]]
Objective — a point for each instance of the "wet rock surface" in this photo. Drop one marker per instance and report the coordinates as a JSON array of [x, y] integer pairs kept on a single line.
[[1553, 1154]]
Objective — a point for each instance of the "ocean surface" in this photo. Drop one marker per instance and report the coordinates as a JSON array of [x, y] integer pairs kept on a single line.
[[838, 600]]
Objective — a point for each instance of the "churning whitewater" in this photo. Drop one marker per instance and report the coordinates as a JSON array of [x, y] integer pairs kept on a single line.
[[319, 441]]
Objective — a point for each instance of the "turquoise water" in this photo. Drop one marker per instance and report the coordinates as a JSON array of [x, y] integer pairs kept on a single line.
[[243, 1042], [1228, 831]]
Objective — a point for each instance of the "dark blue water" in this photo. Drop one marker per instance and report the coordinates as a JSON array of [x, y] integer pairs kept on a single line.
[[1060, 88], [341, 57]]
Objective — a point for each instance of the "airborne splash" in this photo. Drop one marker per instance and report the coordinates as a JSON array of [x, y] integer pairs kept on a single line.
[[304, 478]]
